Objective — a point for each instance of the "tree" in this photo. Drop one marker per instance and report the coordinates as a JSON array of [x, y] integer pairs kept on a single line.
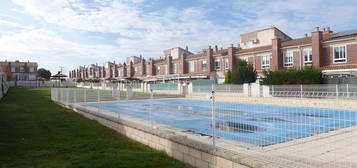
[[243, 73], [7, 71], [227, 78], [44, 73]]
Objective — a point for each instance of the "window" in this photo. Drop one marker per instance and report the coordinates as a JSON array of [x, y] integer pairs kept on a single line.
[[32, 77], [339, 54], [217, 64], [288, 59], [145, 69], [174, 69], [307, 57], [136, 70], [204, 65], [191, 67], [166, 69], [13, 69], [32, 69], [226, 63], [249, 44], [22, 69], [265, 61]]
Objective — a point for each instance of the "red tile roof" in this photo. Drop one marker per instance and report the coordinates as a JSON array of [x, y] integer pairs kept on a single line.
[[299, 41]]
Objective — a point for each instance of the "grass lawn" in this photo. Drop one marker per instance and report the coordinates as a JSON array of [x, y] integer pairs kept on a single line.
[[36, 133]]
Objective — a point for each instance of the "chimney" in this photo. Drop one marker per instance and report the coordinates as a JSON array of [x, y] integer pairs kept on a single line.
[[232, 45], [317, 28], [328, 30], [187, 48], [306, 35], [216, 47], [324, 29], [316, 40], [276, 60]]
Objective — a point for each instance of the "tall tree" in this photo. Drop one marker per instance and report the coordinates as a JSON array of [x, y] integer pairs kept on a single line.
[[44, 73], [243, 73]]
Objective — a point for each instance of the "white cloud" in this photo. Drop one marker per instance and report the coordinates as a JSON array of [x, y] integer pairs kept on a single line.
[[141, 32], [50, 50], [295, 16], [168, 26]]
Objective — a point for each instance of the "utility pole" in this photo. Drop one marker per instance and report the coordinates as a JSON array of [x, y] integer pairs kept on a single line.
[[61, 69]]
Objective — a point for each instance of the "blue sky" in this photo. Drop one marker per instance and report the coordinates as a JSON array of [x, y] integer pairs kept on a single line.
[[70, 33]]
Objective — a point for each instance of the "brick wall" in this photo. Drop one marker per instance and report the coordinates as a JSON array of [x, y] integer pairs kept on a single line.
[[352, 54], [297, 58]]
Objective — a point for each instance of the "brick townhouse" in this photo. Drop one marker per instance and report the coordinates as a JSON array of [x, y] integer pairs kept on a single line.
[[20, 71], [266, 49]]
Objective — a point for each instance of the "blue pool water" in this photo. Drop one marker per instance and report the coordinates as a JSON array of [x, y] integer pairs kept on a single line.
[[259, 125]]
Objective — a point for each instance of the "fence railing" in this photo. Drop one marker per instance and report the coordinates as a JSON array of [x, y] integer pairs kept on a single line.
[[226, 88], [275, 133], [42, 83], [164, 86], [346, 91]]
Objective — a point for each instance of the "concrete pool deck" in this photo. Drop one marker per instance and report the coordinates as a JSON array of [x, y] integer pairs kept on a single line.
[[340, 104], [332, 149]]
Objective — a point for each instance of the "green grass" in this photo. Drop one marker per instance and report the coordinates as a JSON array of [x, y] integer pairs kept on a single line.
[[36, 133]]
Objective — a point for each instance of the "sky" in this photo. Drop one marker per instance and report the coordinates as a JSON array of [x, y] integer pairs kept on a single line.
[[70, 33]]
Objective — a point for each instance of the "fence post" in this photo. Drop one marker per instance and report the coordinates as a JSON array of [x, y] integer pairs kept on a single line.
[[67, 96], [347, 90], [98, 98], [213, 120], [112, 91], [85, 96], [300, 91], [151, 106], [199, 87], [74, 95], [337, 91]]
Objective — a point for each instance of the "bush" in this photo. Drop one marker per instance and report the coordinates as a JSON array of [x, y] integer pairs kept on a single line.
[[227, 77], [79, 80], [307, 75], [243, 73]]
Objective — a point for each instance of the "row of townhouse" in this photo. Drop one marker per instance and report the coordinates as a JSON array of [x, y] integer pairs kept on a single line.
[[267, 50], [19, 71]]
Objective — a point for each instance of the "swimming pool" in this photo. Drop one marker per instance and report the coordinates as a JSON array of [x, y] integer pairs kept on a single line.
[[255, 124]]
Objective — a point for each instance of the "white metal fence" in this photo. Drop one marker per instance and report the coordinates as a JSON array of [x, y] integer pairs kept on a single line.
[[226, 88], [347, 91], [277, 134], [41, 84], [3, 88]]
